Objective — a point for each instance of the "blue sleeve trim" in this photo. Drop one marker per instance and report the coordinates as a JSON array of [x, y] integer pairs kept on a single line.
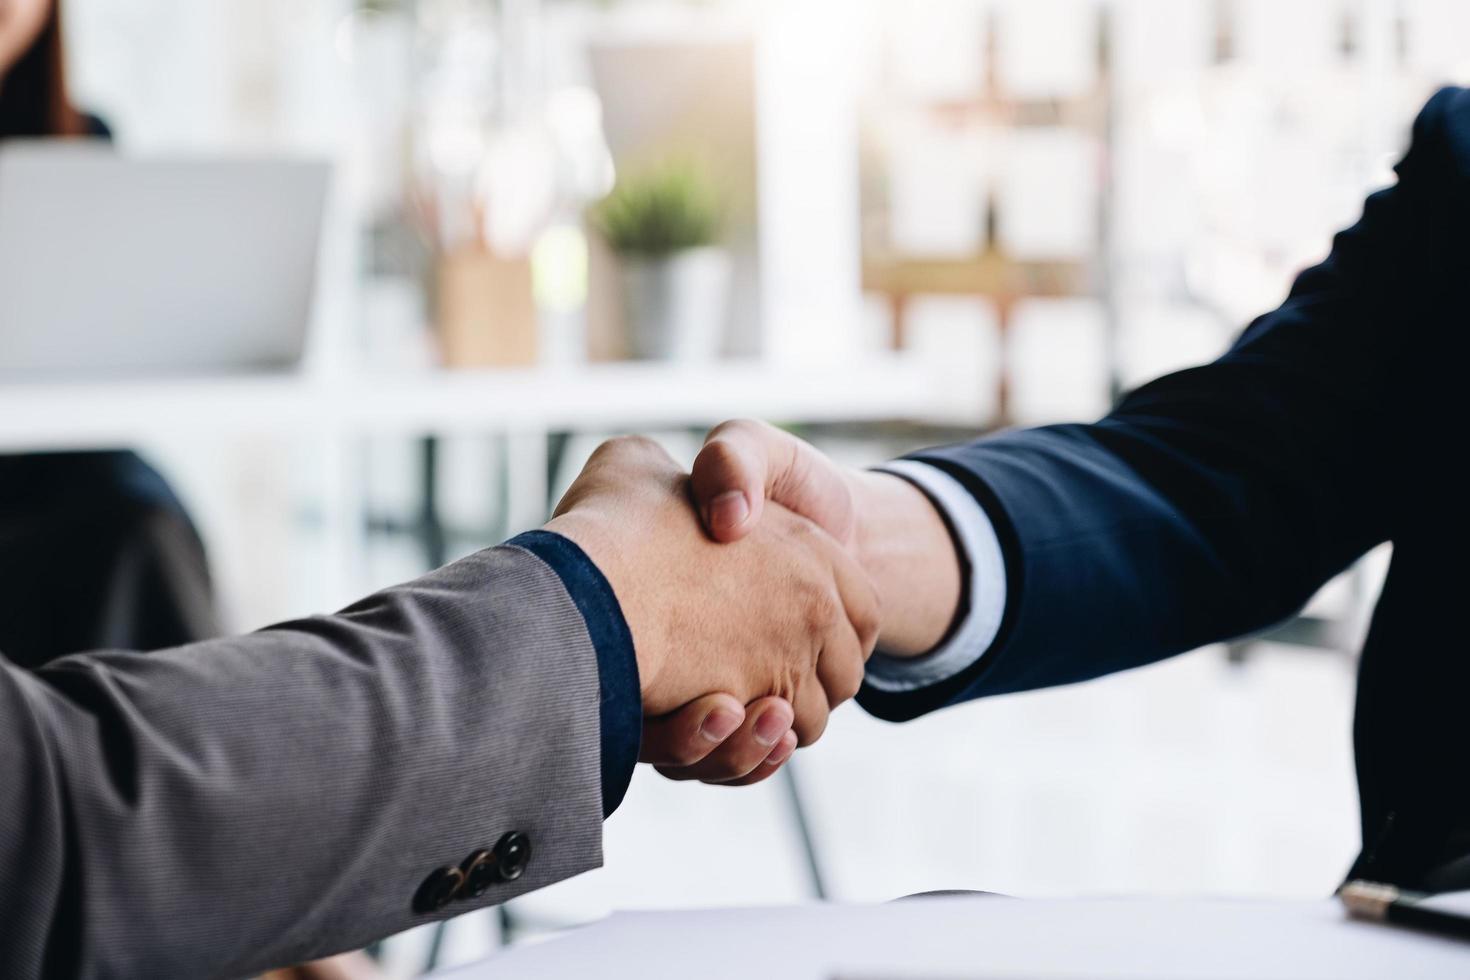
[[621, 701]]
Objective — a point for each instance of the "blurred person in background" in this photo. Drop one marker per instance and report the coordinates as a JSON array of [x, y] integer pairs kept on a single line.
[[95, 549], [1210, 504]]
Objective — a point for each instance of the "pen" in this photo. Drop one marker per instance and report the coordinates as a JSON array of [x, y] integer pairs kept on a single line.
[[1385, 903]]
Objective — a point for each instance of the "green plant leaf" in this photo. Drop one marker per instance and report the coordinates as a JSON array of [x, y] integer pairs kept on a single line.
[[658, 211]]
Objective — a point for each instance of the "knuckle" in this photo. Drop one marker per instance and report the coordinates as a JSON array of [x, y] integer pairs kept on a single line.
[[719, 459], [823, 610], [788, 682], [868, 626], [806, 533], [628, 454], [809, 730], [605, 452], [799, 470], [630, 444], [737, 425], [849, 686]]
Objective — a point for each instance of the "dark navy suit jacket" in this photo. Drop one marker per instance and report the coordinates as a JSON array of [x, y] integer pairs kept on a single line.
[[1214, 502]]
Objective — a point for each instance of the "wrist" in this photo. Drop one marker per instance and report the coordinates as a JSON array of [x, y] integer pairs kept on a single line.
[[590, 534], [905, 546]]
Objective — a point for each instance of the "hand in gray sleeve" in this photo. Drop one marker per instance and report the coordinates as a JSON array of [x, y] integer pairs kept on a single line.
[[223, 807], [229, 806]]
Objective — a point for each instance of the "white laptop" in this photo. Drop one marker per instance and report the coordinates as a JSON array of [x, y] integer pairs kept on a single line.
[[119, 267]]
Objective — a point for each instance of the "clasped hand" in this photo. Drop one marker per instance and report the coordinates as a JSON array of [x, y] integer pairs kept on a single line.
[[757, 577], [743, 646]]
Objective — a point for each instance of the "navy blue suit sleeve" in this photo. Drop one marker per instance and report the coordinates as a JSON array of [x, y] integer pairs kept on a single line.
[[621, 700], [1214, 502]]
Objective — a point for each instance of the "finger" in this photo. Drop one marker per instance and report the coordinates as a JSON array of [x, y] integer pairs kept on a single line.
[[745, 463], [632, 450], [615, 463], [728, 478], [841, 666], [778, 758], [694, 731], [812, 710], [767, 721], [862, 606]]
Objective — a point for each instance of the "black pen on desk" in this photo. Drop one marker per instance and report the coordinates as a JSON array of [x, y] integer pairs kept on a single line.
[[1385, 903]]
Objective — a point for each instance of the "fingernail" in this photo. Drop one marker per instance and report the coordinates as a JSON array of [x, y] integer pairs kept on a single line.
[[782, 752], [770, 726], [728, 510], [720, 724]]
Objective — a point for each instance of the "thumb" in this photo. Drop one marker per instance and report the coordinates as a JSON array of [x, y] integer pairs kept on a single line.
[[744, 463]]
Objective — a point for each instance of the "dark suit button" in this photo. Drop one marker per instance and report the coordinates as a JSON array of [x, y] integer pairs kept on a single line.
[[438, 890], [480, 873], [512, 853]]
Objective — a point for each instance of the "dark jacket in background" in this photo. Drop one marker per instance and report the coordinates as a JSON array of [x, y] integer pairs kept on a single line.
[[96, 553]]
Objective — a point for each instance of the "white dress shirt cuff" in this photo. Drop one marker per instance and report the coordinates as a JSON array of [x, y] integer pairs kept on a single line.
[[972, 637]]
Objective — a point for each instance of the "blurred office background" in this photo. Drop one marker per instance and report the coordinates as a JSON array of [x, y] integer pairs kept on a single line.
[[903, 222]]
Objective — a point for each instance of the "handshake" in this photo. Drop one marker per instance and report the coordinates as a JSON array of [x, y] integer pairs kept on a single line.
[[755, 588]]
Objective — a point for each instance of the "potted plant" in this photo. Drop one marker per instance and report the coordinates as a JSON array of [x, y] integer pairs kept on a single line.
[[663, 224]]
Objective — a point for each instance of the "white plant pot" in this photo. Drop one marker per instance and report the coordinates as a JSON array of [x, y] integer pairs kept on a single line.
[[676, 306]]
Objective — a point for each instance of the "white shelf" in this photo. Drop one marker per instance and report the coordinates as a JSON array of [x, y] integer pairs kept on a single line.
[[58, 415]]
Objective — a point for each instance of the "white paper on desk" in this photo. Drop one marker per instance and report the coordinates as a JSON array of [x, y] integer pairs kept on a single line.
[[980, 938]]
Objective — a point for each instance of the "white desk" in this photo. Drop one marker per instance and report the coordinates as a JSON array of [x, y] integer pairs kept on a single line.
[[47, 415], [988, 938], [334, 411]]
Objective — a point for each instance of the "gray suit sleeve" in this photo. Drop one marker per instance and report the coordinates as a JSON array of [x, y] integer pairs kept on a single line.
[[223, 807]]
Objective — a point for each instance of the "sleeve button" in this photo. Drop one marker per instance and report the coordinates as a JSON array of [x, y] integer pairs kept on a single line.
[[438, 890], [480, 873], [512, 854]]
